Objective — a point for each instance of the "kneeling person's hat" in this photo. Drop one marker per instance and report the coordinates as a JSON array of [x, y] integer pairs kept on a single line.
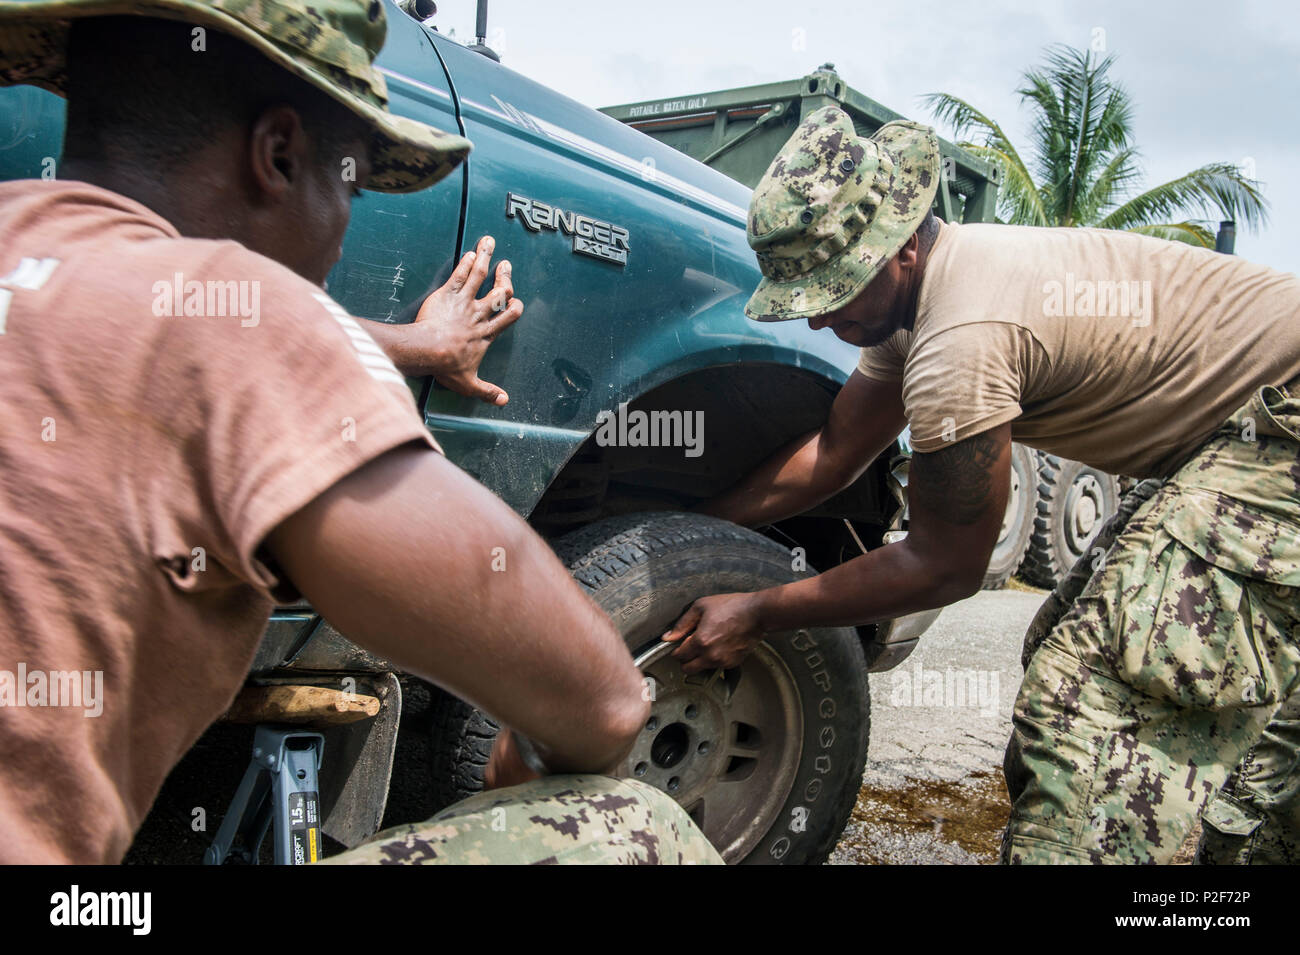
[[330, 44], [833, 208]]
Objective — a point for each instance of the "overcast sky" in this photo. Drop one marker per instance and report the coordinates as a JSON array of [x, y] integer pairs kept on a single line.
[[1210, 82]]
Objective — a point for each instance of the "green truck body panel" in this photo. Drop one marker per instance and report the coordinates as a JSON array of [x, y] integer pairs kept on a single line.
[[595, 333]]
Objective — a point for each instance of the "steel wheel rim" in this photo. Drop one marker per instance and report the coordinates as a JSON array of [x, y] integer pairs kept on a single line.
[[1083, 510], [725, 745]]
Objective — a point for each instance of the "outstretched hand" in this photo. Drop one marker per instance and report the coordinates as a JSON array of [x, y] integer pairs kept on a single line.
[[453, 329]]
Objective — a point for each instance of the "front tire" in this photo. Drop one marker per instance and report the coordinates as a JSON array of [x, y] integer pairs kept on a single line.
[[767, 757]]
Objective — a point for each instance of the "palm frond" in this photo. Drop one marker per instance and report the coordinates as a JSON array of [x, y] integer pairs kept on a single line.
[[1083, 165], [1019, 199], [1018, 184], [1214, 187], [1081, 118], [1108, 187], [1192, 233]]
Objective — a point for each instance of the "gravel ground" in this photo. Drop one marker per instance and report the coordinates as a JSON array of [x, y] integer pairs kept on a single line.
[[933, 790]]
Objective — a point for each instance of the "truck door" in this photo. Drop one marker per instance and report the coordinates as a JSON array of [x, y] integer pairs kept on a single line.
[[31, 133], [612, 239], [397, 246]]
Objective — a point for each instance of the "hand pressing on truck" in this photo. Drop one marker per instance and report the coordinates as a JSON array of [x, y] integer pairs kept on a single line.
[[452, 330], [716, 632]]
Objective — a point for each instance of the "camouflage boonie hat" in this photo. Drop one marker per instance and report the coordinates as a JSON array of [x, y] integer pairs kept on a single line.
[[833, 208], [330, 44]]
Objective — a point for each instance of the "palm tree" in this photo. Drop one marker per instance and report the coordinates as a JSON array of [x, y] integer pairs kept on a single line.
[[1086, 164]]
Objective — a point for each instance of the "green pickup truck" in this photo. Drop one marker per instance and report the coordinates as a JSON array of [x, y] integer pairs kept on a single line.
[[632, 260]]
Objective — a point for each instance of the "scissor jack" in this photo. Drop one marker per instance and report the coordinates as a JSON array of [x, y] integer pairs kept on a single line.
[[280, 787]]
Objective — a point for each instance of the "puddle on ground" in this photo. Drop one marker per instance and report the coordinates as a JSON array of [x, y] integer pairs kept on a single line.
[[927, 821]]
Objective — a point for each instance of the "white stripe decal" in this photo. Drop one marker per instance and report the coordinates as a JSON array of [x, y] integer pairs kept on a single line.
[[377, 369], [30, 274], [601, 151], [368, 347], [441, 94], [369, 354], [389, 376], [369, 350]]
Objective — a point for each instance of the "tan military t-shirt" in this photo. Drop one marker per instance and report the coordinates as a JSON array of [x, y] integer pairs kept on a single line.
[[164, 404], [1115, 349]]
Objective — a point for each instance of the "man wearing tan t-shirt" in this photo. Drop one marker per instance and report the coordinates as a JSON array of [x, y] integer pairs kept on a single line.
[[1180, 659], [277, 438]]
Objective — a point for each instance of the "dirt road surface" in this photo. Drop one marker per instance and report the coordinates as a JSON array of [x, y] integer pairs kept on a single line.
[[933, 790]]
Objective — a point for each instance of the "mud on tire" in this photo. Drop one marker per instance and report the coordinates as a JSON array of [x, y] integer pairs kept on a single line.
[[767, 757]]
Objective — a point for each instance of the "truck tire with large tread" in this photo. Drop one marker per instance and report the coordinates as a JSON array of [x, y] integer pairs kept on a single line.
[[1074, 501], [1018, 524], [767, 757], [462, 743]]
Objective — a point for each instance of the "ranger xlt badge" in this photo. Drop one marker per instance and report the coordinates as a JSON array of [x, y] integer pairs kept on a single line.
[[600, 240]]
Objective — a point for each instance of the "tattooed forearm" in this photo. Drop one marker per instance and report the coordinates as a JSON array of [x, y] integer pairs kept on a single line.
[[955, 484]]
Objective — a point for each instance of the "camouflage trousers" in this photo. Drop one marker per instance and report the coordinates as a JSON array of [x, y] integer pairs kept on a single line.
[[558, 820], [1163, 676]]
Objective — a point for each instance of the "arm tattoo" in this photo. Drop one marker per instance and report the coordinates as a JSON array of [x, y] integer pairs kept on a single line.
[[956, 481]]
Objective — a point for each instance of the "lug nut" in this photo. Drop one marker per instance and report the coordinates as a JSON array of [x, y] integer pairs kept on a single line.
[[652, 724], [674, 784], [691, 712]]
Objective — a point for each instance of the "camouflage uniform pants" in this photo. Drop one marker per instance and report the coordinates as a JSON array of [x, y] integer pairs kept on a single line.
[[559, 820], [1170, 656]]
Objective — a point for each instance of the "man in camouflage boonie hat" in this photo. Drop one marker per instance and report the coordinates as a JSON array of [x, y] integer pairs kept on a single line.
[[330, 44], [220, 435], [1166, 682], [833, 208]]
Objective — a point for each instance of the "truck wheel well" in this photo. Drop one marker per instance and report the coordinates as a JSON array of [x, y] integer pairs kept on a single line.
[[747, 411]]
